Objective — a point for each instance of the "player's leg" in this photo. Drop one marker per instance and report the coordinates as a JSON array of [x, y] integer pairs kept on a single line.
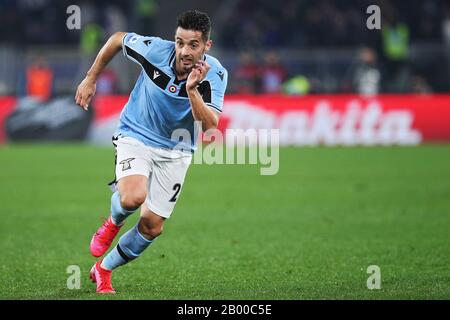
[[167, 182], [132, 191], [130, 246], [150, 224], [132, 171], [164, 186], [135, 241]]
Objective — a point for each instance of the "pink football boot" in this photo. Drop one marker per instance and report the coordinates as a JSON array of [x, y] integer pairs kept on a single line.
[[102, 239], [102, 278]]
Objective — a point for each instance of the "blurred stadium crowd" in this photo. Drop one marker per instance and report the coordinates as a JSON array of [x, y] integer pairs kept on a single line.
[[295, 47]]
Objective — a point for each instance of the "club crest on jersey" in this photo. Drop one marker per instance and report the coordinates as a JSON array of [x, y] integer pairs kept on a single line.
[[173, 89], [126, 164]]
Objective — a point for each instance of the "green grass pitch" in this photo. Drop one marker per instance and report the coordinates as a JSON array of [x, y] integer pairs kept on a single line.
[[309, 232]]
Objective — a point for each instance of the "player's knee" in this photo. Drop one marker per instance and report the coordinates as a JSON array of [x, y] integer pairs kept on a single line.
[[132, 201], [150, 230]]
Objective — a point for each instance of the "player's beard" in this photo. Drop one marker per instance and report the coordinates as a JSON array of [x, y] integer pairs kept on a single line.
[[186, 69]]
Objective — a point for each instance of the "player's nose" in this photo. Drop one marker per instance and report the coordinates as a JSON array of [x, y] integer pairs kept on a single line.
[[185, 52]]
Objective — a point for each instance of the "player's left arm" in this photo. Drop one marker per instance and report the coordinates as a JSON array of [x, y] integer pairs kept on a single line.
[[200, 110]]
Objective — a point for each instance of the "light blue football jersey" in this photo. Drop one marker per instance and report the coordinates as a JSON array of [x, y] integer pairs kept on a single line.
[[158, 104]]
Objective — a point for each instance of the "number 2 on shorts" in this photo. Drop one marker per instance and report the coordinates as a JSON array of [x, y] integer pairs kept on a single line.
[[176, 188]]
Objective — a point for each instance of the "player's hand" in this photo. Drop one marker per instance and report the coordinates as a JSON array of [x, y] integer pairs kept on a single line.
[[197, 74], [85, 92]]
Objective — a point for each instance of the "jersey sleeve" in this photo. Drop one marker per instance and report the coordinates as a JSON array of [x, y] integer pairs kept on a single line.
[[217, 80], [136, 47]]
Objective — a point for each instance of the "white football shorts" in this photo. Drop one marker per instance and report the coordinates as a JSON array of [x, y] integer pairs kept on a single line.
[[164, 168]]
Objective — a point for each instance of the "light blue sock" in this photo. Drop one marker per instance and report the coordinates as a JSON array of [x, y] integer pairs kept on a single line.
[[130, 246], [119, 214]]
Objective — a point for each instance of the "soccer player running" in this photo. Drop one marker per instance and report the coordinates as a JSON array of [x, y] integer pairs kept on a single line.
[[179, 84]]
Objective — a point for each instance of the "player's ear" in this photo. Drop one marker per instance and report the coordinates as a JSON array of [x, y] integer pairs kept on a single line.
[[208, 45]]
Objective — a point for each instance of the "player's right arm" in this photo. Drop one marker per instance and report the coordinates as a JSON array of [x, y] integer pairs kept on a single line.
[[86, 89]]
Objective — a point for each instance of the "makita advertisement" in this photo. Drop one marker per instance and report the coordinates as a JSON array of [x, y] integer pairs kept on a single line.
[[343, 119], [312, 120]]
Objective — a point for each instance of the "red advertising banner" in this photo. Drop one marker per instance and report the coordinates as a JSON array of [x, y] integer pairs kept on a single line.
[[309, 120], [343, 119], [7, 105]]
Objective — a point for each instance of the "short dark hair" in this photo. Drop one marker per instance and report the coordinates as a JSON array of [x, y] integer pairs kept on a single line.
[[197, 21]]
